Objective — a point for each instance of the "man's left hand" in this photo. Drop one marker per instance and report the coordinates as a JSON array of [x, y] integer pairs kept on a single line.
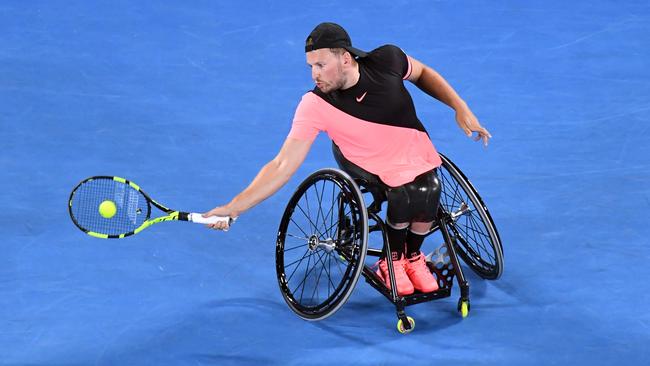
[[468, 122]]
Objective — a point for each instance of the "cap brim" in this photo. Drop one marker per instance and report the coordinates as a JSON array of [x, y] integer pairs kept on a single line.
[[355, 51]]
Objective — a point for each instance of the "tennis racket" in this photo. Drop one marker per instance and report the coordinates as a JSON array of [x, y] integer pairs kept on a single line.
[[113, 208]]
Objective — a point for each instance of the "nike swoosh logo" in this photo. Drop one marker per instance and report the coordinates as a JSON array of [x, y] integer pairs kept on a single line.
[[359, 99]]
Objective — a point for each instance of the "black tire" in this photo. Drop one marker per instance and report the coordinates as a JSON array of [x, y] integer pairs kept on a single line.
[[477, 240], [322, 243]]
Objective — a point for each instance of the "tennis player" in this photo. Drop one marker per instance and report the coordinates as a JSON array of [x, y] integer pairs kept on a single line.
[[361, 102]]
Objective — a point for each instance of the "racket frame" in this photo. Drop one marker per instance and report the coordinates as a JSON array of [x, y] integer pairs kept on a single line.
[[171, 214]]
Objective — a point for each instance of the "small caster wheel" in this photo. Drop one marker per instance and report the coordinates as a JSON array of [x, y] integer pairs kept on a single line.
[[402, 329], [463, 307]]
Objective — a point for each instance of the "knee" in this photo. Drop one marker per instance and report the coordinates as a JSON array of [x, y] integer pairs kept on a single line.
[[421, 228]]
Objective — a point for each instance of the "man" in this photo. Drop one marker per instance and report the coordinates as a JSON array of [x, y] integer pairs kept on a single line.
[[361, 102]]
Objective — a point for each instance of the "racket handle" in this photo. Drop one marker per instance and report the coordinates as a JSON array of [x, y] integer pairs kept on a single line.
[[199, 219]]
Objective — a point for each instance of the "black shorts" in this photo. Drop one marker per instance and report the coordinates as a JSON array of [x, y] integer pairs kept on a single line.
[[414, 201]]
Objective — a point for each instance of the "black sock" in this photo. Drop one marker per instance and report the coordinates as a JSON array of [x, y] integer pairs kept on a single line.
[[413, 244], [396, 238]]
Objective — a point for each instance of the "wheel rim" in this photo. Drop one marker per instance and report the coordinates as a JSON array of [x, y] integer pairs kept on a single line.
[[477, 239], [318, 256]]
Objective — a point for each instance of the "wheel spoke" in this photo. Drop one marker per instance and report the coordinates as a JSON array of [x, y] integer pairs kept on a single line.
[[320, 203], [302, 283], [299, 228], [322, 267], [330, 212], [298, 237], [308, 213], [308, 217], [307, 254], [346, 214], [309, 271], [296, 247]]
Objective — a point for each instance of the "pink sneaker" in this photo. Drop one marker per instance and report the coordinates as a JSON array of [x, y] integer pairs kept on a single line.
[[419, 274], [404, 285]]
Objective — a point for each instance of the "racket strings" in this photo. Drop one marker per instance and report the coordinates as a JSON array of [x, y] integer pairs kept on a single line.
[[132, 208]]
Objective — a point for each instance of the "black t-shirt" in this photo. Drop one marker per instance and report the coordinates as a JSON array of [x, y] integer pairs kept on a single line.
[[380, 95]]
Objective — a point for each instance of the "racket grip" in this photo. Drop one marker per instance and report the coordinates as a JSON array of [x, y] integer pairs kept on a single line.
[[199, 219]]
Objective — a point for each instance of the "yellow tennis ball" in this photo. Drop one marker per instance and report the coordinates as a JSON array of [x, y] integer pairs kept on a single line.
[[107, 209]]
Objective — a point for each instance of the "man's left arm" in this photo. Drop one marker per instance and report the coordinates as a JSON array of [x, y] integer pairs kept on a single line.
[[432, 83]]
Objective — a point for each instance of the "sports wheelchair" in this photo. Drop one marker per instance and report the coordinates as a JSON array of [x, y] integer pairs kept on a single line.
[[322, 241]]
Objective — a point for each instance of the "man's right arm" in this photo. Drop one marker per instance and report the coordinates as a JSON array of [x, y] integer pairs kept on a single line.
[[269, 180]]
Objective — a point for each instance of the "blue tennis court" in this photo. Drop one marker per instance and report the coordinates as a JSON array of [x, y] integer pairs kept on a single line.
[[190, 99]]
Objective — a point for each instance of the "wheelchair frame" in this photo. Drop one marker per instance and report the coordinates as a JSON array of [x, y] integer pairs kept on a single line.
[[349, 241]]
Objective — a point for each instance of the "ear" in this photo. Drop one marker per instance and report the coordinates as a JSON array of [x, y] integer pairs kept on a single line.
[[347, 58]]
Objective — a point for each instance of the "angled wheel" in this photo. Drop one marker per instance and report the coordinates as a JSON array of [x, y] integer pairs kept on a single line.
[[477, 239], [321, 244]]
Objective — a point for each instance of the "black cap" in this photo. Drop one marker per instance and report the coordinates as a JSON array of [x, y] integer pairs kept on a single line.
[[331, 35]]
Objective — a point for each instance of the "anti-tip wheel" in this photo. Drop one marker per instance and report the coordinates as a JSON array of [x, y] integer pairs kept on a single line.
[[463, 307], [400, 325]]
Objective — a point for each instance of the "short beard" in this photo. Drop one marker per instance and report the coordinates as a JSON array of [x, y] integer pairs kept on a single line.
[[341, 82]]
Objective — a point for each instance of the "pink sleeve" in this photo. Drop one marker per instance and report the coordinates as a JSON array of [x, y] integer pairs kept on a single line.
[[306, 122]]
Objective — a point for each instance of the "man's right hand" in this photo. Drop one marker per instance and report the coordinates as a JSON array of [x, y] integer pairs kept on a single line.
[[223, 211]]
